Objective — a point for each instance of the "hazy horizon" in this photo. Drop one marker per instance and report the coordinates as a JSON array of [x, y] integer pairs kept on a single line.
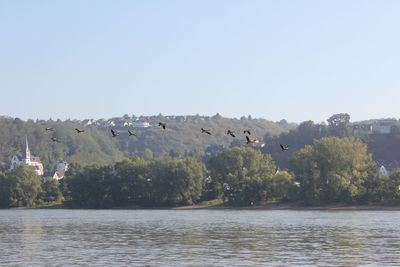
[[293, 60]]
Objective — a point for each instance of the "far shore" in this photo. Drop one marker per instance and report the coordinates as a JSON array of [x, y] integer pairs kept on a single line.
[[269, 206], [290, 206]]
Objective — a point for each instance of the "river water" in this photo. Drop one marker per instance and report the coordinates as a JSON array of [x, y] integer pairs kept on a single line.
[[199, 238]]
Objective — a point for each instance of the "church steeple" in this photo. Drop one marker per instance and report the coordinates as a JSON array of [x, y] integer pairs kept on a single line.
[[27, 156]]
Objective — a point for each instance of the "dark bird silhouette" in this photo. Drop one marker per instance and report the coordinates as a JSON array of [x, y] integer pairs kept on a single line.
[[207, 131], [247, 132], [49, 129], [284, 148], [114, 133], [231, 133], [55, 140], [79, 131], [254, 141], [131, 133], [162, 124]]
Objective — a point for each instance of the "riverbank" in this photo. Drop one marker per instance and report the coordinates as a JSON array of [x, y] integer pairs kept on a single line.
[[217, 205], [283, 206]]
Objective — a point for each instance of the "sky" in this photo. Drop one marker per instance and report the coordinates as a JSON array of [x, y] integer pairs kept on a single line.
[[296, 60]]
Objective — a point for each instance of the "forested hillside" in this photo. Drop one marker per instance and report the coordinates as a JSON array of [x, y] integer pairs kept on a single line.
[[96, 146], [384, 147], [91, 147]]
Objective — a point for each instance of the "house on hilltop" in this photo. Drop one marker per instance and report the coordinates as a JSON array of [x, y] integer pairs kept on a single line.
[[383, 126]]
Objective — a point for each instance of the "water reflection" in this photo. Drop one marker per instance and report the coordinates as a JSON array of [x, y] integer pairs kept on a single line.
[[198, 238]]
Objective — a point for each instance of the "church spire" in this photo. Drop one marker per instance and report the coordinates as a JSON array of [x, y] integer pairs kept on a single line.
[[27, 152]]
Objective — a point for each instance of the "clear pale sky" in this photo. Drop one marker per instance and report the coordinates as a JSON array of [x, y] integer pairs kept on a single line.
[[294, 60]]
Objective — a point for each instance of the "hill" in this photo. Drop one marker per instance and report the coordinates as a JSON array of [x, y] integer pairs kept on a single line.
[[95, 146]]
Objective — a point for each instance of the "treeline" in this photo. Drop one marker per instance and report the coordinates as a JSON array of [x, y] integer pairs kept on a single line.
[[331, 170]]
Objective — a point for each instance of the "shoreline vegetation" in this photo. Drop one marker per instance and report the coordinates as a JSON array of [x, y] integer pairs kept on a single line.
[[329, 168]]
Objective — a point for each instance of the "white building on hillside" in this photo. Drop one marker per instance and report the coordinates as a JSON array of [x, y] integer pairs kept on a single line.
[[140, 124], [62, 167], [28, 160], [383, 172]]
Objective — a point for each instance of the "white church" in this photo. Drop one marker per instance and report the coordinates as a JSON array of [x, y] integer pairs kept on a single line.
[[35, 162], [27, 159]]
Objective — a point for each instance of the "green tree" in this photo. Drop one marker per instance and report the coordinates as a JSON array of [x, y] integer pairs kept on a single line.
[[307, 174], [339, 125], [333, 169], [24, 187], [305, 134], [174, 182], [241, 174], [6, 190], [91, 188], [282, 187], [51, 191], [131, 184], [391, 186]]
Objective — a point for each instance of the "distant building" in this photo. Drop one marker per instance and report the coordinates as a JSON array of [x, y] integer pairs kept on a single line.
[[62, 167], [140, 124], [27, 159], [362, 129], [90, 122], [383, 126], [382, 171]]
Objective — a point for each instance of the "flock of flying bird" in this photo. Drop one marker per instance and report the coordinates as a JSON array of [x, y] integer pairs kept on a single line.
[[115, 133]]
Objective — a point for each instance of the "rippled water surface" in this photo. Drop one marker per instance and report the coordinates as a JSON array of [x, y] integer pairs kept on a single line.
[[199, 238]]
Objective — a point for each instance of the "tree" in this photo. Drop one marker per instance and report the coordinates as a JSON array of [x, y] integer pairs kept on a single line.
[[282, 187], [306, 171], [391, 186], [176, 182], [148, 154], [51, 191], [6, 188], [91, 188], [305, 134], [131, 185], [339, 125], [333, 170], [240, 175], [24, 186]]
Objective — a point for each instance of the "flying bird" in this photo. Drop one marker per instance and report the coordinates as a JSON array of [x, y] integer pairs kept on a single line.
[[231, 133], [114, 133], [49, 129], [162, 124], [79, 131], [131, 133], [247, 132], [55, 140], [252, 141], [284, 148], [207, 131]]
